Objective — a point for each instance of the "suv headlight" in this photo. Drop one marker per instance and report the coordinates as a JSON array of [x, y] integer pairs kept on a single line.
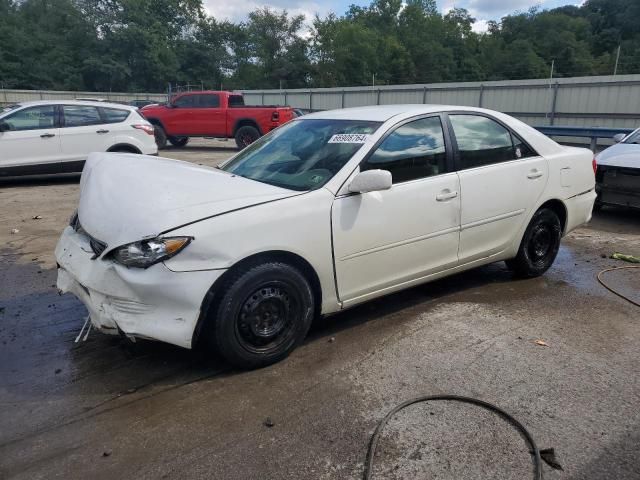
[[145, 253]]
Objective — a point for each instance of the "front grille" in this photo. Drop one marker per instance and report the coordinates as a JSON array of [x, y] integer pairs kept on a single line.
[[96, 245]]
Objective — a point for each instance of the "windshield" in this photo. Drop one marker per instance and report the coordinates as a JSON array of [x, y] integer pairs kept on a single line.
[[303, 154], [8, 108], [633, 138]]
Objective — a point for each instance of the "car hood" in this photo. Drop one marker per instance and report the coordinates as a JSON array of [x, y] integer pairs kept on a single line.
[[125, 198], [620, 155]]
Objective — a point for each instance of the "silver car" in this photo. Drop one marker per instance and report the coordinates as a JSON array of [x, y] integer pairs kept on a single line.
[[618, 174]]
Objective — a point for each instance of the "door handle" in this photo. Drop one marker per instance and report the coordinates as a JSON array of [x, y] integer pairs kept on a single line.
[[534, 174], [47, 135], [102, 131], [446, 195]]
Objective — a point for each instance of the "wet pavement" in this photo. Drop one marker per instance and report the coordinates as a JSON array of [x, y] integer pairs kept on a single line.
[[108, 408]]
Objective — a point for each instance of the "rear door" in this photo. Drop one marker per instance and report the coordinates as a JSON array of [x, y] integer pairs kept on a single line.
[[83, 131], [385, 240], [32, 141], [501, 178]]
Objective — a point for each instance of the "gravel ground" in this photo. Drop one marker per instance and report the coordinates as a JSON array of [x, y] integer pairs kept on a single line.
[[107, 408]]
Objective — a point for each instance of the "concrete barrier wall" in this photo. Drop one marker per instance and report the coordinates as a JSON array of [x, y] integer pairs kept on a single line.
[[8, 97]]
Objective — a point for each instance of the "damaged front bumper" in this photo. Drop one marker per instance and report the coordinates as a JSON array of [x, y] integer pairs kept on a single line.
[[154, 303]]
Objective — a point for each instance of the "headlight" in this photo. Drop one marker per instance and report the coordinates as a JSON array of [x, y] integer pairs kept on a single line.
[[148, 252]]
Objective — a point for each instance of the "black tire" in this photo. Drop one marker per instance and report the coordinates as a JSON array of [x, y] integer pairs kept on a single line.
[[246, 135], [160, 136], [124, 150], [178, 141], [539, 246], [263, 314]]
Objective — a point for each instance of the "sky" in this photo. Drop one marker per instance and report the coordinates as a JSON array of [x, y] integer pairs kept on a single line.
[[482, 10]]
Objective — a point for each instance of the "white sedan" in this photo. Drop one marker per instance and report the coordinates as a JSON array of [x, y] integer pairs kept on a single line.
[[326, 212], [56, 136], [618, 176]]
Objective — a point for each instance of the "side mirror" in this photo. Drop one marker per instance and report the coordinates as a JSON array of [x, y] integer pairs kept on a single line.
[[618, 137], [4, 127], [371, 181]]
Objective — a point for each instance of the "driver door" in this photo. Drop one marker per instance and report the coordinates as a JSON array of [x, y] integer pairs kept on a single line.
[[384, 241]]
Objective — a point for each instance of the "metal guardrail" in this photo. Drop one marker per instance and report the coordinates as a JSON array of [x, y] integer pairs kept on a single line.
[[594, 133]]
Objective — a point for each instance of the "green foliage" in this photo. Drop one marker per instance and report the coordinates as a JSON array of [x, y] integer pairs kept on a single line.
[[134, 45]]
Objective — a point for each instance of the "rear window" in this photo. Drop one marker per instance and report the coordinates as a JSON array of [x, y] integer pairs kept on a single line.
[[114, 115], [236, 101]]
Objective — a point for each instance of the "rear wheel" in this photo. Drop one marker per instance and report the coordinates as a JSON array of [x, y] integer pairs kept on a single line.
[[246, 135], [264, 312], [178, 141], [539, 246], [160, 136]]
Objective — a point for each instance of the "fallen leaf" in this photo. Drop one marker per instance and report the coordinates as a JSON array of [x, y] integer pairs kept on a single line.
[[542, 343]]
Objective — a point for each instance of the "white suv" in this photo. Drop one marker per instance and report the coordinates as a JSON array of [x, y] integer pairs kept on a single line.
[[57, 136]]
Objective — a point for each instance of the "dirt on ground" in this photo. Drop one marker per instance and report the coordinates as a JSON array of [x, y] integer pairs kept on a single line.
[[559, 352]]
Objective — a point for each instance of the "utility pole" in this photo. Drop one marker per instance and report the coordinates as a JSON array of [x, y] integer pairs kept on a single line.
[[615, 69], [373, 81]]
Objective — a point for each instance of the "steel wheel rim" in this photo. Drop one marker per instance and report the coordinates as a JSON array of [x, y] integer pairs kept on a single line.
[[266, 318], [541, 242]]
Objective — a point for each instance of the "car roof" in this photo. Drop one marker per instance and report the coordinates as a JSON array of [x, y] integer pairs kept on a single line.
[[382, 113], [397, 113], [75, 102]]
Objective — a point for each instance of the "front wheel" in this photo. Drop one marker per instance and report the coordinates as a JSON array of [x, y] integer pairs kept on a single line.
[[263, 314], [539, 246], [246, 135], [178, 141]]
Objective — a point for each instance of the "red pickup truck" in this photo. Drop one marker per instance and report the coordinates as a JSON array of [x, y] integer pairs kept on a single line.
[[212, 114]]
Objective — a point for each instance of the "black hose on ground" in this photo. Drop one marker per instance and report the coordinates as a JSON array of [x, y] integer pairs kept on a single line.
[[537, 461], [615, 291]]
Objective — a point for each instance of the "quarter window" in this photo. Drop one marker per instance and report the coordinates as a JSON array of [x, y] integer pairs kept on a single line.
[[482, 141], [414, 150], [80, 115], [34, 118], [114, 115]]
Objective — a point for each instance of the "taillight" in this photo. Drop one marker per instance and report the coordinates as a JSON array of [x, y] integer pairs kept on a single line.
[[275, 116], [595, 165], [148, 129]]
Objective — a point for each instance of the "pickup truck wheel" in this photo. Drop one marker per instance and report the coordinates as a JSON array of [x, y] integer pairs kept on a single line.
[[160, 136], [539, 246], [264, 312], [178, 141], [246, 136]]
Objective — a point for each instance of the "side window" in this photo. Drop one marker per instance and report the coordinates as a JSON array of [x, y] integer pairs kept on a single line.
[[186, 101], [114, 115], [414, 150], [209, 101], [80, 115], [34, 118], [236, 100], [481, 141]]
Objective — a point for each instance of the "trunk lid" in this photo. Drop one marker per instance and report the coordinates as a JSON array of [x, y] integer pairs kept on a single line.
[[125, 198]]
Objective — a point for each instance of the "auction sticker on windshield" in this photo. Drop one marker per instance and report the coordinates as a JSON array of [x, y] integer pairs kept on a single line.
[[349, 138]]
